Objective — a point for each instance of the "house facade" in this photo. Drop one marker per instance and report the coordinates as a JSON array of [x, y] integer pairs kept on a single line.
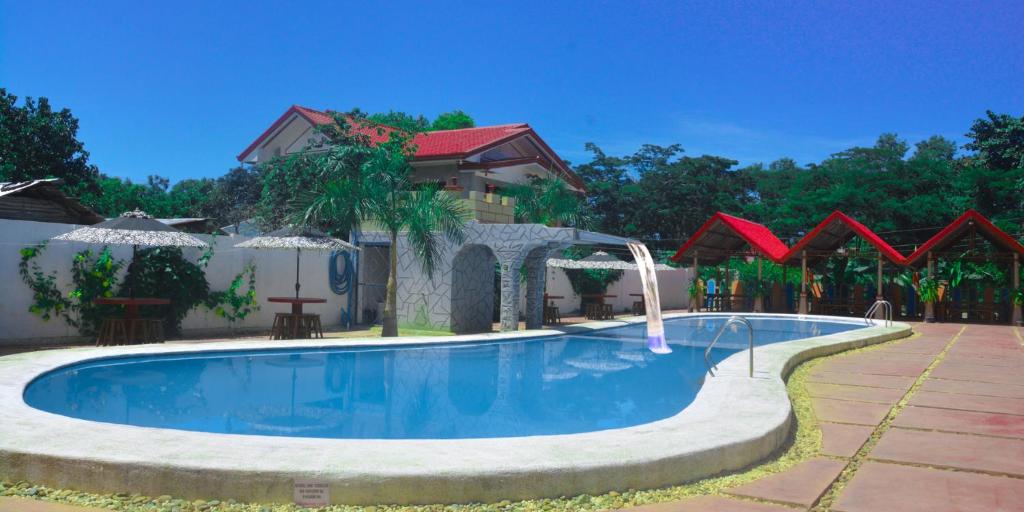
[[476, 163]]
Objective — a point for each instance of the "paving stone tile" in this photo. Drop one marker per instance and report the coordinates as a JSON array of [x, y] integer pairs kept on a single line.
[[840, 440], [878, 487], [954, 370], [963, 451], [1001, 405], [801, 485], [1005, 425], [846, 411], [857, 393], [855, 379], [899, 368], [973, 388], [14, 504], [711, 503]]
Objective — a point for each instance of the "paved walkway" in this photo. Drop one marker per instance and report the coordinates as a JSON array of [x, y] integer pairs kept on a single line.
[[931, 424]]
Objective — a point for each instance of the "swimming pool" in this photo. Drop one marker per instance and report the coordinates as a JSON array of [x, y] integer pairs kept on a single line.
[[604, 379], [734, 420]]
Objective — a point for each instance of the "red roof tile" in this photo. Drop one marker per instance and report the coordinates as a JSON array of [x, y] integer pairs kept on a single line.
[[957, 229], [837, 229], [728, 234]]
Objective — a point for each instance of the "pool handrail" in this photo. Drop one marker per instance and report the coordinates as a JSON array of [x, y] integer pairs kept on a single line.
[[886, 308], [735, 319]]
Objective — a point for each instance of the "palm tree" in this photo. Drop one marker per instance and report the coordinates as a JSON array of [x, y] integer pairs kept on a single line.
[[548, 201], [371, 183]]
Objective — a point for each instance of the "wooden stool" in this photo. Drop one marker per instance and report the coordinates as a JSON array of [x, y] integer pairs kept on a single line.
[[281, 327], [552, 315], [607, 312], [593, 311], [111, 330], [311, 327]]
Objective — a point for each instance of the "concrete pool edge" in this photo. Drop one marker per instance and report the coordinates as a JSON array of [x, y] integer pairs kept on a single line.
[[734, 422]]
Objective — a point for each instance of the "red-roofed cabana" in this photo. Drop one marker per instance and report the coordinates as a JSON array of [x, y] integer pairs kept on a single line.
[[831, 235], [961, 236], [724, 236]]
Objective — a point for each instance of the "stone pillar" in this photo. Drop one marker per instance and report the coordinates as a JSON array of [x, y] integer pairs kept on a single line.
[[803, 283], [758, 299], [929, 307], [510, 262], [536, 267], [1017, 318]]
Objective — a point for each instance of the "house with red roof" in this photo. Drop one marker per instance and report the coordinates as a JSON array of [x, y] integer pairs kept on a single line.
[[475, 162]]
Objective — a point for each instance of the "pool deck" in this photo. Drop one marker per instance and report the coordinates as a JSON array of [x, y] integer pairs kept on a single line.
[[934, 423]]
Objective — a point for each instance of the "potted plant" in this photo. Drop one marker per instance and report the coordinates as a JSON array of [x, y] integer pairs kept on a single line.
[[928, 291]]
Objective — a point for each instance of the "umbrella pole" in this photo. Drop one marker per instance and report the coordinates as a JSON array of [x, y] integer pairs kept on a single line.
[[298, 253], [131, 272]]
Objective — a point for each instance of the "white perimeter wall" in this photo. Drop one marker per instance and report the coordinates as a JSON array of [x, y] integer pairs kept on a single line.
[[275, 276], [673, 286]]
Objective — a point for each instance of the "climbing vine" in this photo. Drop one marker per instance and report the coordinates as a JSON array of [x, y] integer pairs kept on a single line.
[[47, 300], [232, 305]]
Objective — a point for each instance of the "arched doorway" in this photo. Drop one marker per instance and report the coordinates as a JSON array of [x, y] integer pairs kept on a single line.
[[473, 289]]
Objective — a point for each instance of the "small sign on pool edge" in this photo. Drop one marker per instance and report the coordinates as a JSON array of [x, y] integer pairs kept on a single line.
[[311, 493]]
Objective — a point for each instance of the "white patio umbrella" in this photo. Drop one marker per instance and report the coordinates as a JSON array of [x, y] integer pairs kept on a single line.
[[600, 260], [135, 228], [300, 239]]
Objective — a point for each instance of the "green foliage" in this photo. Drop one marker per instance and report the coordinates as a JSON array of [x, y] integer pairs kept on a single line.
[[38, 142], [928, 289], [549, 201], [401, 120], [1018, 296], [453, 120], [47, 300], [164, 272], [998, 140], [697, 288], [233, 304], [585, 281], [93, 277]]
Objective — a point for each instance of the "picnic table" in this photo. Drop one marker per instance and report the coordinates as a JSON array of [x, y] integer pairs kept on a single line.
[[598, 310], [130, 327], [296, 323]]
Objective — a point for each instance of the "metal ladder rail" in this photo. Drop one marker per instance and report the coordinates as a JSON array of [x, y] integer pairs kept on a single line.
[[886, 308], [732, 320]]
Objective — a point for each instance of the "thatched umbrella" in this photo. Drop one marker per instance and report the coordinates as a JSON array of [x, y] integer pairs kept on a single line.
[[600, 260], [298, 238], [135, 228]]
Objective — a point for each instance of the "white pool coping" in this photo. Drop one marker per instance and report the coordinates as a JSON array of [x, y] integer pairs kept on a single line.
[[733, 422]]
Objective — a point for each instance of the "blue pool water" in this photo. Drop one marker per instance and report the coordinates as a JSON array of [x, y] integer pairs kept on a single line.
[[561, 385]]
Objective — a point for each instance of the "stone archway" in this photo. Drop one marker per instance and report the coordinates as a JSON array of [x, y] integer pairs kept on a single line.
[[472, 289]]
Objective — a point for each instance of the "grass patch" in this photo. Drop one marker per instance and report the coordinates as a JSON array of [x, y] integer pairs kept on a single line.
[[374, 332], [803, 443]]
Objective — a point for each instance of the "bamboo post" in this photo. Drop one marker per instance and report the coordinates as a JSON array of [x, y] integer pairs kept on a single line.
[[1017, 318], [758, 299], [803, 283], [929, 307], [695, 301], [880, 311]]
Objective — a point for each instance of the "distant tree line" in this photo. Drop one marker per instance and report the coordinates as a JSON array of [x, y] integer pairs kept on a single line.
[[658, 194]]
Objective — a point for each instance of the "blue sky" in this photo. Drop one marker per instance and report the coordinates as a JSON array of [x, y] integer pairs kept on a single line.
[[179, 90]]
